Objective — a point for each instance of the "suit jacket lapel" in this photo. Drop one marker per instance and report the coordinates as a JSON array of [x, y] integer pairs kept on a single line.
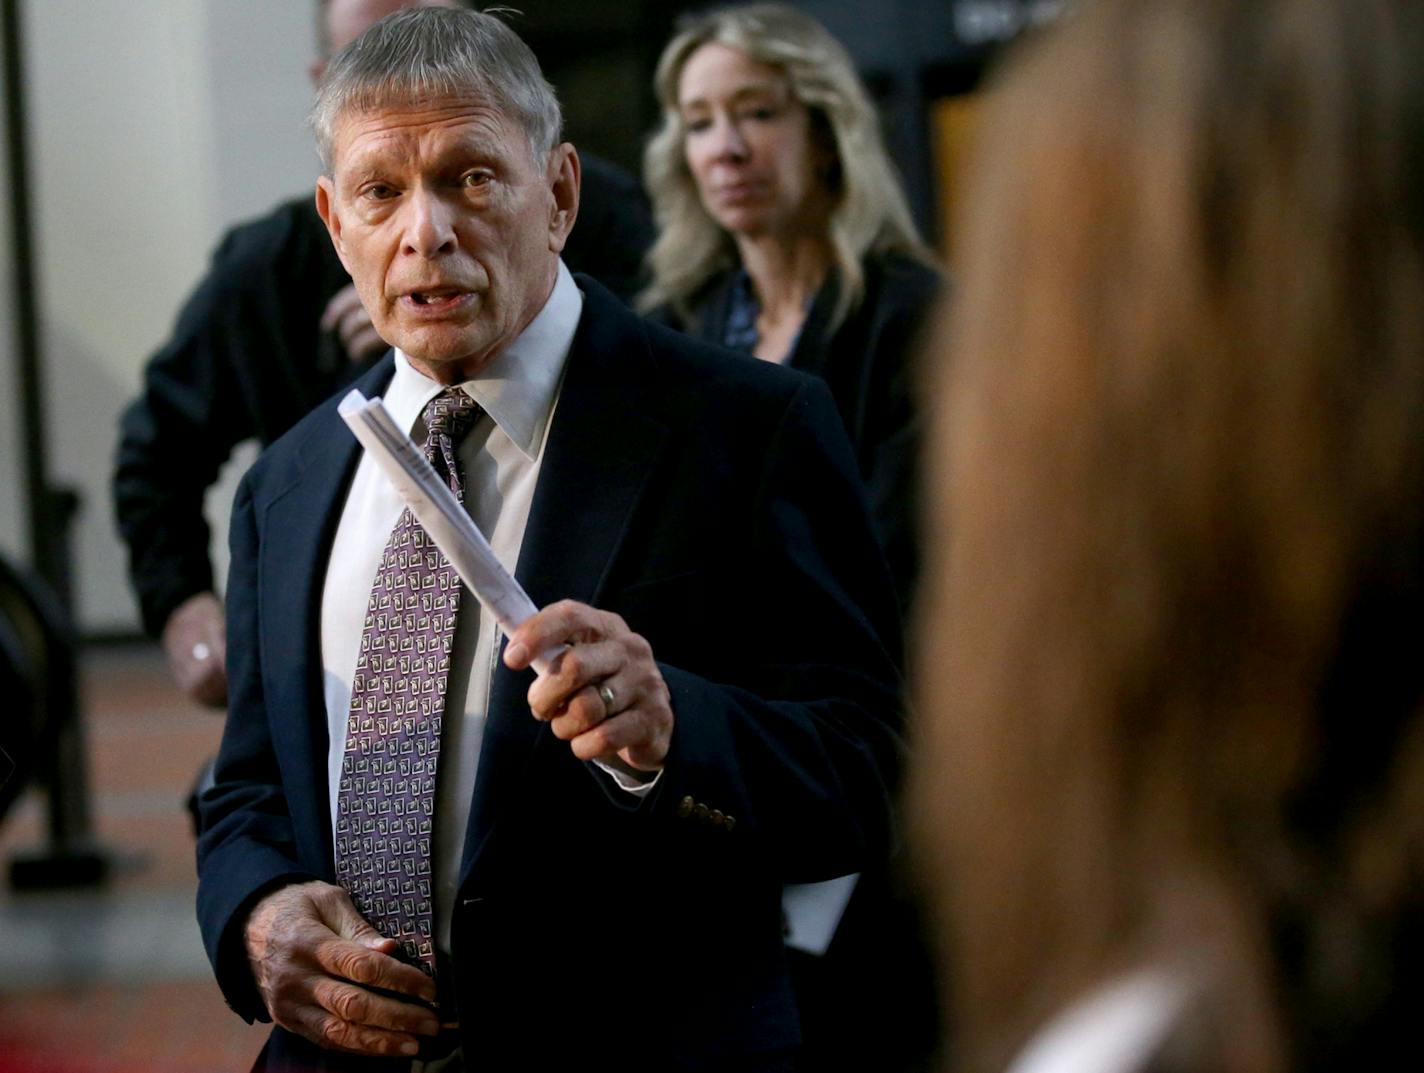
[[601, 449], [306, 513]]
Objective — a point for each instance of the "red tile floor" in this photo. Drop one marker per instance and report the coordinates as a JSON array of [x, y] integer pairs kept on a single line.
[[112, 979]]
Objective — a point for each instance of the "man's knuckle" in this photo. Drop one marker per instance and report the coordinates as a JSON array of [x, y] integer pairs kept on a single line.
[[333, 1031], [591, 716], [347, 961], [326, 895], [381, 1042], [347, 1003], [371, 1042], [586, 709], [574, 667]]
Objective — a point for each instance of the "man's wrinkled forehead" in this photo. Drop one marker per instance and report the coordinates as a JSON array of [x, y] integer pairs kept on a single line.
[[471, 124], [479, 119]]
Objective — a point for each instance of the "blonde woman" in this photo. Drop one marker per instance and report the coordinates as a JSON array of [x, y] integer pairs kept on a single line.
[[1170, 768], [783, 231]]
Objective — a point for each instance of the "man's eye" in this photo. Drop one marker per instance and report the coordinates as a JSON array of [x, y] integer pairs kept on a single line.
[[762, 112], [475, 179], [697, 126], [378, 192]]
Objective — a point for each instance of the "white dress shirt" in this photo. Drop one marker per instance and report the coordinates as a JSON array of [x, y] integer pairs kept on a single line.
[[500, 459]]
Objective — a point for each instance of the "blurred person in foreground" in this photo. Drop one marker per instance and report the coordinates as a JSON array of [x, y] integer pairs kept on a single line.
[[784, 234], [273, 328], [1170, 759], [416, 848]]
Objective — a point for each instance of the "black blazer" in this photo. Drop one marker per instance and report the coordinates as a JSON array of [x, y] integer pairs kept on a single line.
[[715, 506], [868, 362]]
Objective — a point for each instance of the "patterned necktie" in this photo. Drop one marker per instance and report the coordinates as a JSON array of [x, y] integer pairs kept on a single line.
[[386, 798]]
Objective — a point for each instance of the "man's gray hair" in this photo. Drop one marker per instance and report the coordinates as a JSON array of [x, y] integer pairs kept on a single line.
[[425, 54]]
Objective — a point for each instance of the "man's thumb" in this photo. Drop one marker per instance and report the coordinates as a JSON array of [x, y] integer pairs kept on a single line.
[[359, 930], [347, 922]]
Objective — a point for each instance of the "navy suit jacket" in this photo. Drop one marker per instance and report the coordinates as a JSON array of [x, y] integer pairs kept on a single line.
[[714, 504]]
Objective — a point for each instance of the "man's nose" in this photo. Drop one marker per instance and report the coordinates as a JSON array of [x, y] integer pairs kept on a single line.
[[430, 228]]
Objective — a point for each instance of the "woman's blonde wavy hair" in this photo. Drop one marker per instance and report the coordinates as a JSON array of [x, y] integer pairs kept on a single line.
[[870, 214]]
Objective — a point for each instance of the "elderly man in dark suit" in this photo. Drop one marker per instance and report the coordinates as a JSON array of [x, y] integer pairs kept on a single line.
[[417, 850]]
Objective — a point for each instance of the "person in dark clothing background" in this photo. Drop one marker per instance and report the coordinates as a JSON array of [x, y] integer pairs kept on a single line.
[[784, 234], [273, 329]]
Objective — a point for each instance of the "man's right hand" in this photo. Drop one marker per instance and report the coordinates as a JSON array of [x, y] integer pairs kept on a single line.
[[314, 958], [195, 639]]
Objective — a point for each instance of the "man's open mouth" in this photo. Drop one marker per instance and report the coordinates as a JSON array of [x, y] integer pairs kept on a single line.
[[437, 296]]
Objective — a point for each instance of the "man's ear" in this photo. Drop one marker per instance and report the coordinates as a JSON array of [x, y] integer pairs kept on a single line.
[[564, 175], [326, 209]]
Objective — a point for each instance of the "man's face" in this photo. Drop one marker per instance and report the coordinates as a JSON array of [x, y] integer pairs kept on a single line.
[[450, 232]]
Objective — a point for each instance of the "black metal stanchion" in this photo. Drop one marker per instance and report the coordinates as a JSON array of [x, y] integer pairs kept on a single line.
[[41, 608]]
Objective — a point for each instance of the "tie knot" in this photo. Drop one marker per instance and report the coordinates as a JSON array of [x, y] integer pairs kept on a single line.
[[448, 417]]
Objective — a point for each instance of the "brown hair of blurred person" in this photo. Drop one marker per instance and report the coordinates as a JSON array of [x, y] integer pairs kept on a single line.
[[1171, 652]]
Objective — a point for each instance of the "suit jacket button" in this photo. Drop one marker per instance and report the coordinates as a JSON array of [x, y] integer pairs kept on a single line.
[[700, 811], [718, 819], [731, 822], [684, 808]]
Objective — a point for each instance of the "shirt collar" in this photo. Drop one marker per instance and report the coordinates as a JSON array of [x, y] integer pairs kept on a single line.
[[518, 387]]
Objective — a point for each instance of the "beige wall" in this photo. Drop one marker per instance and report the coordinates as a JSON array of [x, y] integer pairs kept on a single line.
[[12, 526], [154, 125]]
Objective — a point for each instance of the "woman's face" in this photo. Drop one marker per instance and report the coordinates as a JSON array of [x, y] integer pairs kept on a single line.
[[749, 145]]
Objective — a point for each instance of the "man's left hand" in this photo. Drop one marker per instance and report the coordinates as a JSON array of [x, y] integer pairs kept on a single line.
[[604, 659]]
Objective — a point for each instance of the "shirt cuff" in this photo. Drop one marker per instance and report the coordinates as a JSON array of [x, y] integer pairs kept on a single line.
[[629, 779]]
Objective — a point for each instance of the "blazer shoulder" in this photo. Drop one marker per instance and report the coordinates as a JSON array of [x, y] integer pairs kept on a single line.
[[321, 429], [880, 332], [896, 280]]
